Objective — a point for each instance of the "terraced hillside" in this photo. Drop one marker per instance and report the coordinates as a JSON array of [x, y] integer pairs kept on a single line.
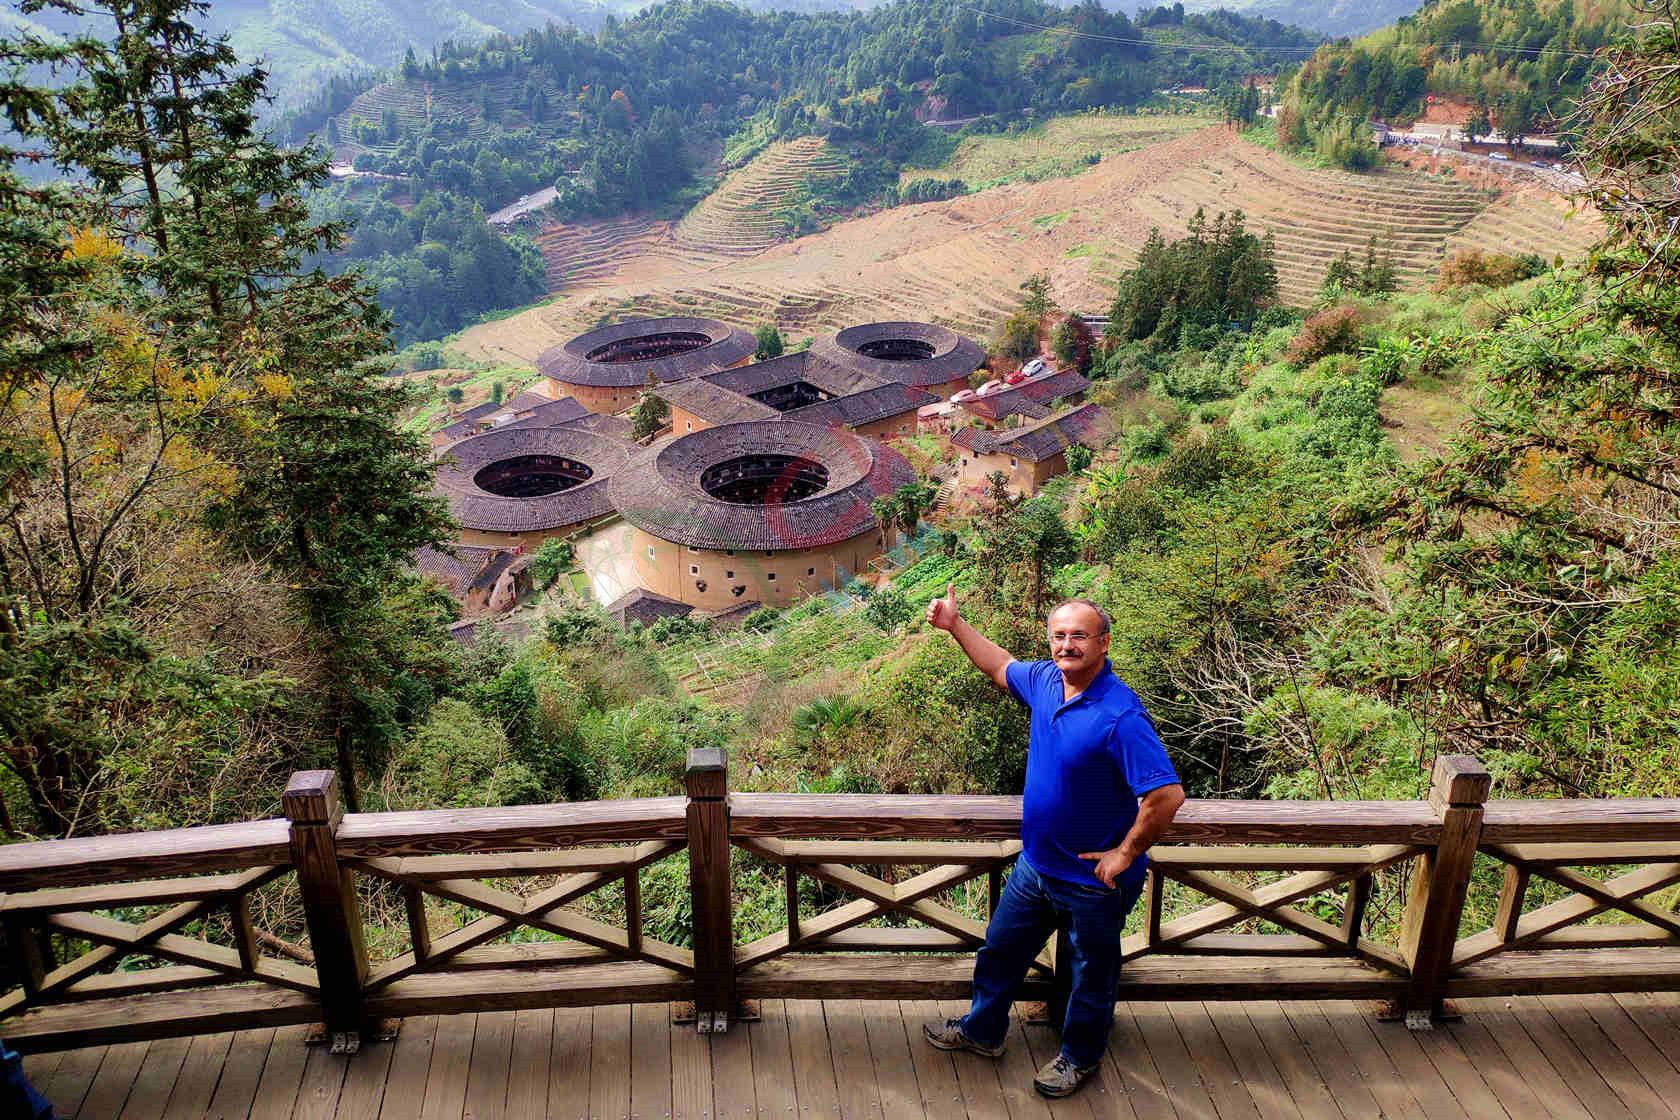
[[1314, 216], [586, 252], [739, 218], [416, 102], [1055, 148], [960, 262], [1527, 221]]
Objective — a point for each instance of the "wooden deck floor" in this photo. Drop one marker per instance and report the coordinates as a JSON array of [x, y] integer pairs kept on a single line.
[[1582, 1057]]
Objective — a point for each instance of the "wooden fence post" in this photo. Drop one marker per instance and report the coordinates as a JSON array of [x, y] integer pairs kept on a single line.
[[1440, 880], [329, 905], [707, 779]]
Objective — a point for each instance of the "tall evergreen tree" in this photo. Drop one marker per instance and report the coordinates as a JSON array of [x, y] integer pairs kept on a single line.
[[314, 479]]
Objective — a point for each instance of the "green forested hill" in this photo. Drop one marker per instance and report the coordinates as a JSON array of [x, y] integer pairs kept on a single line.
[[617, 120], [305, 42], [1519, 64], [302, 42], [1334, 17]]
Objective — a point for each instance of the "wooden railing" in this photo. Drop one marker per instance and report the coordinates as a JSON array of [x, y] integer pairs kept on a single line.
[[158, 934]]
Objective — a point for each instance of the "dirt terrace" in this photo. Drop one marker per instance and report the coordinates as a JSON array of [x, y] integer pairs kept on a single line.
[[960, 262]]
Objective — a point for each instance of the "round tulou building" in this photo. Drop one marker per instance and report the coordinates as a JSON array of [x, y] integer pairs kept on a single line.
[[517, 486], [923, 355], [769, 511], [606, 369]]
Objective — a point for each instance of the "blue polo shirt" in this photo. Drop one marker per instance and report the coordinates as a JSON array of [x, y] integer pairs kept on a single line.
[[1088, 761]]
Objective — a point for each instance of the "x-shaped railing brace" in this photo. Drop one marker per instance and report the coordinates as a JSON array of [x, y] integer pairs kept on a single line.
[[506, 911], [876, 897], [156, 937], [1622, 893], [1271, 903]]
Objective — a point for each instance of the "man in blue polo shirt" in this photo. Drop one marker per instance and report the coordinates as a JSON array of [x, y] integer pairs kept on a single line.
[[1099, 792]]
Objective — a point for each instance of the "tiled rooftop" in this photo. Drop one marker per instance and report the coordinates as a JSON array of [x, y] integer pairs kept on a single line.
[[476, 508], [1030, 398], [570, 363], [1088, 424], [646, 607], [953, 356], [660, 490]]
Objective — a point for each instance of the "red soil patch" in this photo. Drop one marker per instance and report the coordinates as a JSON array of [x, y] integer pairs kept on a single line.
[[1441, 111]]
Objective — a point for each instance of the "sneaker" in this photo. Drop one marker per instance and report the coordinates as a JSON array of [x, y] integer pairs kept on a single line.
[[1059, 1077], [948, 1035]]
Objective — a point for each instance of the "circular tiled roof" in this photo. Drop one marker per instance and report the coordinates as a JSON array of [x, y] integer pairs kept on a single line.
[[659, 491], [908, 353], [622, 355], [477, 508]]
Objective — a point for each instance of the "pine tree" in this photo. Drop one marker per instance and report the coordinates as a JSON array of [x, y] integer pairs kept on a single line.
[[205, 262]]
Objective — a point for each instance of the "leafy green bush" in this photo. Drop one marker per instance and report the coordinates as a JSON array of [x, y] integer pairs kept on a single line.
[[1129, 366], [553, 557], [761, 621], [1205, 458], [769, 342], [675, 628], [824, 717], [1199, 381], [1347, 424], [1017, 337], [1133, 512], [889, 609], [1147, 441], [1491, 270], [666, 730], [1386, 362], [458, 757], [1346, 142], [577, 626]]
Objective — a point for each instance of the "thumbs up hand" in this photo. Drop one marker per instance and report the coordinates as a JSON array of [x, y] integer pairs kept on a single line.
[[942, 613]]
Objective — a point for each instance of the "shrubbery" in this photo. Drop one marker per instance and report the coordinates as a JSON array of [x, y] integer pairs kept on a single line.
[[1336, 330], [553, 557], [760, 621], [1491, 270]]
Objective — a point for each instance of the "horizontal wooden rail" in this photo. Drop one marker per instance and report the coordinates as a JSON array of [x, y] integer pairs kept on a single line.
[[844, 816], [1582, 820], [1586, 905], [518, 827], [933, 817], [86, 861]]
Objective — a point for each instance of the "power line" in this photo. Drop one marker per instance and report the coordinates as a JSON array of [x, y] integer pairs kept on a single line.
[[1229, 48]]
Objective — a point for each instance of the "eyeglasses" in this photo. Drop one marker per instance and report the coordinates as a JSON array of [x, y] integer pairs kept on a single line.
[[1076, 636]]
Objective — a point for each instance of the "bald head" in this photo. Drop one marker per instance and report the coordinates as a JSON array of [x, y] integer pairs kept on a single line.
[[1102, 623]]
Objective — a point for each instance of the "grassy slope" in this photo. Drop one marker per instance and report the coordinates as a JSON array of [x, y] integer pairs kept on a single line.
[[1054, 149]]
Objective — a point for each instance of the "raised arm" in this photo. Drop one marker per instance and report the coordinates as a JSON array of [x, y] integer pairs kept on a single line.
[[988, 657]]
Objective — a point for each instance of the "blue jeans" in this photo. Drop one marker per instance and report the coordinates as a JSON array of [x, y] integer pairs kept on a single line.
[[1033, 907]]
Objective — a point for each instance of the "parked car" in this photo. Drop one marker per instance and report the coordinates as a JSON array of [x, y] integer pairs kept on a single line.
[[1034, 367]]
